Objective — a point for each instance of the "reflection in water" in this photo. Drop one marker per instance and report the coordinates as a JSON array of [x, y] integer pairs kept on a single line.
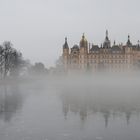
[[10, 101], [91, 111], [107, 104]]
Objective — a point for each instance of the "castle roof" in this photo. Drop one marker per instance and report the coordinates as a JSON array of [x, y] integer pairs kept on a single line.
[[116, 48], [75, 47], [95, 48]]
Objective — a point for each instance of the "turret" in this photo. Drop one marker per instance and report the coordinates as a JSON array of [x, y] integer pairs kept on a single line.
[[129, 44], [83, 53], [83, 42], [65, 54], [106, 43], [65, 46], [83, 45]]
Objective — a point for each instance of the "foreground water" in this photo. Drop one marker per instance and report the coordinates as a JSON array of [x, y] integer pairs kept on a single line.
[[102, 109]]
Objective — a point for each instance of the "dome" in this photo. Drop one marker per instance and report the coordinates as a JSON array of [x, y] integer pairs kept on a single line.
[[75, 47], [83, 42]]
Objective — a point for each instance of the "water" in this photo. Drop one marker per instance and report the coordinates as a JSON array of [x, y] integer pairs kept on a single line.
[[97, 110]]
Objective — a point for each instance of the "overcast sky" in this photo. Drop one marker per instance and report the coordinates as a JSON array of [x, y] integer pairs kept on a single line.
[[38, 27]]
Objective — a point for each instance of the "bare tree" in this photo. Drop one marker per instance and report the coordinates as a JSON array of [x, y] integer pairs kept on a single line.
[[10, 60]]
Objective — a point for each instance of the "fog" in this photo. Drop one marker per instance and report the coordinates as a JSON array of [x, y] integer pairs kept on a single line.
[[40, 102], [71, 107]]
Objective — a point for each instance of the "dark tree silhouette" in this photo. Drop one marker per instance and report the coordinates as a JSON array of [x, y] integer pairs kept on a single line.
[[10, 60], [1, 60]]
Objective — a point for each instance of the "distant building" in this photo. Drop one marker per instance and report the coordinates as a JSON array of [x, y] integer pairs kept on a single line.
[[107, 57]]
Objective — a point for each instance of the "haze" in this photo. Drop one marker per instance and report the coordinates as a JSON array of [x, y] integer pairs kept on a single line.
[[38, 27]]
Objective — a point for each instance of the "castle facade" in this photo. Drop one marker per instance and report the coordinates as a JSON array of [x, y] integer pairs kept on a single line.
[[107, 57]]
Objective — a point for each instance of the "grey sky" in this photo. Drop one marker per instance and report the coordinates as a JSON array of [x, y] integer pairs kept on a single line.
[[38, 27]]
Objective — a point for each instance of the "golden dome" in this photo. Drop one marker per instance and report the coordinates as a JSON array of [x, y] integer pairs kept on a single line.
[[83, 42]]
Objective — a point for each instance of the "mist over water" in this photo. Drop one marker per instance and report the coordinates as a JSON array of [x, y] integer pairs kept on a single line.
[[53, 89], [71, 107]]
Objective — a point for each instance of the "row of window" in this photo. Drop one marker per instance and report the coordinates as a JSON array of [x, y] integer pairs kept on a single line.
[[104, 56], [110, 56], [109, 61], [104, 62], [106, 51]]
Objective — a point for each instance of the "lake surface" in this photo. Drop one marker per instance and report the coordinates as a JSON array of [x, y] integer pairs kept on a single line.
[[71, 110]]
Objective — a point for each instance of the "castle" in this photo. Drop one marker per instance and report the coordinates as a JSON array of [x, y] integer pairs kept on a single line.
[[107, 57]]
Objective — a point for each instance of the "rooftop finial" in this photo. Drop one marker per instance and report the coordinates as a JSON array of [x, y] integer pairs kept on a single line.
[[128, 37], [65, 44], [129, 42], [65, 39], [83, 35]]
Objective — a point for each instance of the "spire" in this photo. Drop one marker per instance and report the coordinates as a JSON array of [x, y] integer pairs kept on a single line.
[[129, 42], [66, 43], [106, 38], [128, 37], [106, 43], [83, 35], [106, 33], [65, 39]]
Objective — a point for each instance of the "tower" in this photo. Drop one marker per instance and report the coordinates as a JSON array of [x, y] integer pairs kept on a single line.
[[128, 47], [129, 54], [129, 44], [107, 43], [65, 54], [83, 57], [84, 44]]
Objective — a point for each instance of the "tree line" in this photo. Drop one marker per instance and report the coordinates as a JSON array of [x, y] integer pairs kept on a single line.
[[12, 64]]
